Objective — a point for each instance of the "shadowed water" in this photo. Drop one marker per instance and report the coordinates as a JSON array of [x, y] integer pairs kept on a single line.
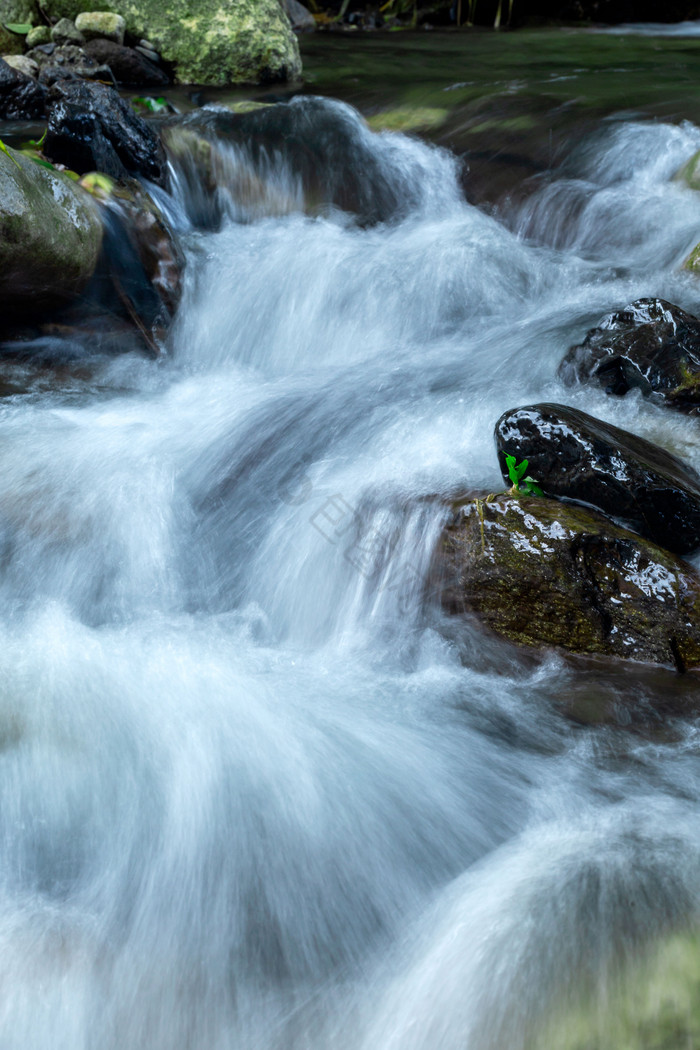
[[255, 793]]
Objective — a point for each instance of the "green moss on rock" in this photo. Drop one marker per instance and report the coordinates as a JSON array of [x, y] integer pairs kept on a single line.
[[543, 573], [19, 12], [50, 236]]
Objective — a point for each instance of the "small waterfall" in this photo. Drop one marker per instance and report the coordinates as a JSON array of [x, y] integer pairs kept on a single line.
[[253, 796]]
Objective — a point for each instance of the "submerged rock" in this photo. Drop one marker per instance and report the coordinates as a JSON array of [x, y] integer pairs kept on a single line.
[[50, 235], [210, 42], [142, 261], [323, 147], [542, 573], [651, 345], [92, 129], [21, 98], [574, 456]]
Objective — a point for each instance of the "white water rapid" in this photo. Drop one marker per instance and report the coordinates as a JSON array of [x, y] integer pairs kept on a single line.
[[255, 793]]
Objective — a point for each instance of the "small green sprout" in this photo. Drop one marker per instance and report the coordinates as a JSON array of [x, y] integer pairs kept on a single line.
[[516, 472], [153, 105], [4, 149]]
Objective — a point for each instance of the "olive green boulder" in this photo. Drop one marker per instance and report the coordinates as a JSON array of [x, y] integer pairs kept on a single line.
[[37, 36], [50, 237], [543, 573], [210, 42]]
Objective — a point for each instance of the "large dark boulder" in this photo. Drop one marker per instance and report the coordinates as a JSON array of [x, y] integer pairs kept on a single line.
[[128, 66], [651, 345], [21, 97], [574, 456], [542, 573], [91, 128]]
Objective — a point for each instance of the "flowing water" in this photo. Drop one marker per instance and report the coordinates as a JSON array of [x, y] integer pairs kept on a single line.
[[256, 792]]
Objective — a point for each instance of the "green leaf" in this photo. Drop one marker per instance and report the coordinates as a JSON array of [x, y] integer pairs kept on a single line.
[[38, 143], [153, 105], [20, 28], [4, 149], [533, 487], [512, 473], [520, 470]]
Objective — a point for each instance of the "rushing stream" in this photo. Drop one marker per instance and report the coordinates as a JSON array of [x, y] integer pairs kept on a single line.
[[256, 793]]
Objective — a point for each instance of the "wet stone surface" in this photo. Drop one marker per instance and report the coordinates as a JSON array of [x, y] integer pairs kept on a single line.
[[92, 129], [574, 456], [542, 573], [650, 345]]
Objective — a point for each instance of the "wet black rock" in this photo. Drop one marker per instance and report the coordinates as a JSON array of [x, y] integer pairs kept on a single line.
[[651, 345], [21, 97], [543, 573], [128, 65], [92, 129], [576, 457]]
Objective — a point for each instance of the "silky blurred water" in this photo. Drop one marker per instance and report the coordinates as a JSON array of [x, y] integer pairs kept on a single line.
[[255, 791]]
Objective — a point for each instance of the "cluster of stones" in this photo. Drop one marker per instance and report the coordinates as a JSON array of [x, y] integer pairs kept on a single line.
[[149, 42], [595, 567], [91, 47]]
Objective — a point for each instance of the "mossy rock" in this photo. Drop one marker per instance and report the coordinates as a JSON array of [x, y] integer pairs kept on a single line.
[[690, 172], [19, 12], [10, 43], [37, 36], [50, 236], [655, 1006], [543, 573], [212, 42]]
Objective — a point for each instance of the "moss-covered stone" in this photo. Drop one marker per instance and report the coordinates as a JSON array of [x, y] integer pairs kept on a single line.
[[101, 25], [50, 235], [690, 172], [38, 36], [212, 42], [655, 1006], [543, 573]]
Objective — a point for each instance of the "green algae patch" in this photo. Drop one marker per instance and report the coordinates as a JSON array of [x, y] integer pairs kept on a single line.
[[408, 118]]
